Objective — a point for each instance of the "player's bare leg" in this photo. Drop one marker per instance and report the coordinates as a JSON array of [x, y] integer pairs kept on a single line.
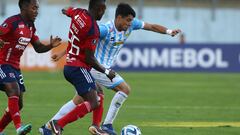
[[14, 105], [66, 108], [95, 129], [90, 103]]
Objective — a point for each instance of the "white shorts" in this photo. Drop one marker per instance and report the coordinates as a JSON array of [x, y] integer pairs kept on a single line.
[[102, 79]]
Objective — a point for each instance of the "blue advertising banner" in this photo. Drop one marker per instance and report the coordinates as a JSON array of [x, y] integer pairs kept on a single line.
[[175, 57]]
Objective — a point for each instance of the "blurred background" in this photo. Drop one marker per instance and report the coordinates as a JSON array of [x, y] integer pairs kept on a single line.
[[202, 21], [188, 84]]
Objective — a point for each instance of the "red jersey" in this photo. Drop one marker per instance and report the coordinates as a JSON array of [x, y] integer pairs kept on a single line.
[[83, 34], [17, 34]]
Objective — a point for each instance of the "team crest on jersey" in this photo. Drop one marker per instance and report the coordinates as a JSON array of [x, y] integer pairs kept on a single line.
[[112, 39], [11, 75], [4, 25]]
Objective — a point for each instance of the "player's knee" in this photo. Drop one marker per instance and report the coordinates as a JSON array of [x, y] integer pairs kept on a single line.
[[94, 105], [126, 90], [12, 92], [12, 89]]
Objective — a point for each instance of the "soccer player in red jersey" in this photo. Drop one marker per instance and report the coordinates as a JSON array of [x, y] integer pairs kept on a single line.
[[83, 38], [15, 34]]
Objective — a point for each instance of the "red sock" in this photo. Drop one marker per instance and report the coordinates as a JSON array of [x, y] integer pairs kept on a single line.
[[98, 112], [5, 120], [78, 112], [14, 110]]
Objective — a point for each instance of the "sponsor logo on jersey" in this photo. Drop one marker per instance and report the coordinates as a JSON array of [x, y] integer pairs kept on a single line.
[[81, 23], [20, 47], [75, 29], [4, 25], [21, 26], [112, 39], [21, 32], [118, 43], [75, 17], [24, 41], [11, 75]]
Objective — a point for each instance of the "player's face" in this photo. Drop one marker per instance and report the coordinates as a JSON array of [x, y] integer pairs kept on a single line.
[[125, 22], [32, 10], [101, 11]]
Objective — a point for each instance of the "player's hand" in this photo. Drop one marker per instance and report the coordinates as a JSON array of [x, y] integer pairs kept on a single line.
[[56, 57], [175, 32], [111, 74], [2, 43], [64, 11], [54, 42]]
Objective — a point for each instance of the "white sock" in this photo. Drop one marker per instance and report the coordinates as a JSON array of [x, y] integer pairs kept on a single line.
[[69, 106], [115, 105]]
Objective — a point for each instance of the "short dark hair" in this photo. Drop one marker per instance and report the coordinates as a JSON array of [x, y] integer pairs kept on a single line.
[[124, 10], [94, 3], [23, 2]]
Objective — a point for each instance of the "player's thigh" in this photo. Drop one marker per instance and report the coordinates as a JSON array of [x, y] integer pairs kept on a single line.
[[20, 81], [80, 78], [77, 99], [99, 88], [91, 97], [124, 87], [9, 80], [103, 80]]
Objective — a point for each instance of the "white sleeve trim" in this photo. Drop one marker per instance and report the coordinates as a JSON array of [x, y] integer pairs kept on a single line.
[[143, 24]]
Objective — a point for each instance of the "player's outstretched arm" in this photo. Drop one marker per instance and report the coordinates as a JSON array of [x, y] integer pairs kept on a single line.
[[3, 30], [64, 11], [161, 29], [91, 60], [58, 56], [2, 43], [41, 48], [68, 11]]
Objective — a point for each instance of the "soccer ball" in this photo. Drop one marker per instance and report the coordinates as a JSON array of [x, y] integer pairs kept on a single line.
[[130, 130]]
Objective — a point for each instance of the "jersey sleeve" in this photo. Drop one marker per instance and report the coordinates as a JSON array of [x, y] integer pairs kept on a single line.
[[103, 31], [137, 24], [5, 27], [70, 11]]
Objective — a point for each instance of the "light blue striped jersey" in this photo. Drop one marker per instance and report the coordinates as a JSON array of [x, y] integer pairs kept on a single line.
[[112, 40]]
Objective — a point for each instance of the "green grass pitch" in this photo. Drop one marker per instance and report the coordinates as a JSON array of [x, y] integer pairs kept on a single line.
[[159, 103]]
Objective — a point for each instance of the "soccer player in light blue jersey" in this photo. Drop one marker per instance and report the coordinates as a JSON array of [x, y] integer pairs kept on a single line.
[[113, 35]]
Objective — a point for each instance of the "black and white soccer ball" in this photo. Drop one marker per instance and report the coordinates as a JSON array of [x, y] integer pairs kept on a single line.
[[131, 130]]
